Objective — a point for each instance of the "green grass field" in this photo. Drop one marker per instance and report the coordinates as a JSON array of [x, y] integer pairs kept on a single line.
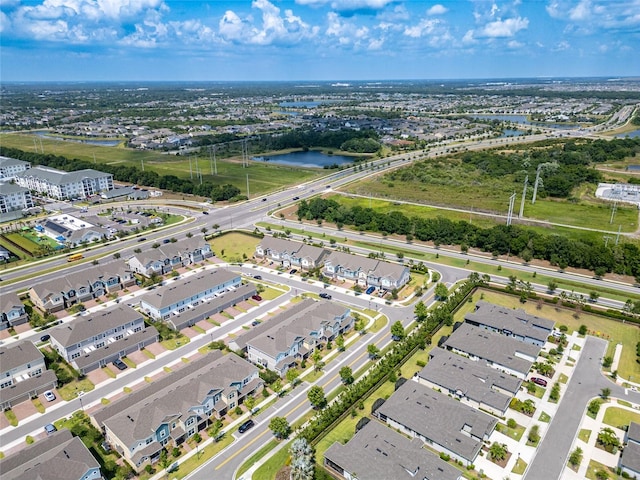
[[619, 417], [234, 246], [263, 177]]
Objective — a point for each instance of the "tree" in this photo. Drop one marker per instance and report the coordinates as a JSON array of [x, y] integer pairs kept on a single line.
[[605, 392], [593, 296], [420, 311], [607, 361], [582, 330], [534, 434], [528, 407], [250, 402], [575, 458], [116, 255], [373, 351], [316, 397], [346, 375], [442, 292], [608, 439], [318, 364], [340, 343], [292, 375], [280, 427], [594, 407], [498, 451], [397, 331], [302, 462]]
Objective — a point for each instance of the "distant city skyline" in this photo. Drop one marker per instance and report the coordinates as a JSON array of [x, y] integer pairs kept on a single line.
[[306, 40]]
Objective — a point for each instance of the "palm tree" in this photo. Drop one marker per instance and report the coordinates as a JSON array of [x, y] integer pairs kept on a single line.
[[498, 451], [301, 460]]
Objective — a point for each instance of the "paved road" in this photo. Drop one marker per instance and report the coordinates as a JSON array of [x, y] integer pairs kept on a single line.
[[586, 382]]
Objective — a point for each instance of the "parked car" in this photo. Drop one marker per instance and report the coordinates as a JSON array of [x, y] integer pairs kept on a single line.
[[106, 447], [326, 296], [246, 426], [264, 199], [45, 338], [50, 428], [205, 213], [296, 198], [293, 270], [257, 298], [49, 396], [539, 381], [370, 290], [166, 240], [119, 364], [258, 277], [255, 323]]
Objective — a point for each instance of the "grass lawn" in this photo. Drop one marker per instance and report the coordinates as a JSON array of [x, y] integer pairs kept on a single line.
[[268, 469], [519, 467], [38, 404], [148, 354], [595, 467], [624, 403], [618, 417], [70, 390], [129, 362], [174, 343], [611, 330], [563, 378], [584, 435], [13, 420], [255, 457], [234, 247], [544, 417], [206, 453], [515, 433]]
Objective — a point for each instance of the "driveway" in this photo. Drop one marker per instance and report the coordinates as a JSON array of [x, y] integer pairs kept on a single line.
[[586, 382]]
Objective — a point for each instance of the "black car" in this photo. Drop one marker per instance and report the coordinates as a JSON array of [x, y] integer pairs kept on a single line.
[[293, 271], [326, 296], [119, 364], [205, 213], [44, 338], [246, 426], [296, 198], [258, 277], [142, 239]]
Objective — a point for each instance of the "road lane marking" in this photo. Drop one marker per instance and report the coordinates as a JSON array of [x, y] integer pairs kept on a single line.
[[240, 450]]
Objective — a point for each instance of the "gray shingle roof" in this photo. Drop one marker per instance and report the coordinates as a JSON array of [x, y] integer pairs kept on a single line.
[[439, 418], [278, 333], [379, 453], [185, 288], [631, 457], [59, 456], [83, 328], [108, 351], [493, 347], [141, 419], [298, 249], [19, 353], [8, 188], [9, 301], [474, 379], [368, 265], [19, 391], [634, 432], [517, 321], [59, 177]]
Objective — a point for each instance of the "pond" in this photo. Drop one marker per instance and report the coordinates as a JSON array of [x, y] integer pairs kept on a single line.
[[523, 119], [311, 158], [508, 132], [103, 143]]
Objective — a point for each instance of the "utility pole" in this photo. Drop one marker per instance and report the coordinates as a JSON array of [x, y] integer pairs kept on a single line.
[[247, 186], [613, 211], [142, 162], [190, 169], [524, 195], [512, 200], [618, 235]]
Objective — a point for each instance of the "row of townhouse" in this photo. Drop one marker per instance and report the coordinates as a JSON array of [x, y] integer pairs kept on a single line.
[[65, 185], [169, 411], [80, 286], [92, 341], [293, 335], [59, 456], [170, 256], [12, 311], [480, 367], [185, 293], [629, 462], [23, 373], [364, 271]]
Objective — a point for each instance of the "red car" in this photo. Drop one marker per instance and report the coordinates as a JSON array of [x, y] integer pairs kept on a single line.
[[539, 381], [257, 298]]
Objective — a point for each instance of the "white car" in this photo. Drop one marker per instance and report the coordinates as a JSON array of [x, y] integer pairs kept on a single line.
[[49, 396]]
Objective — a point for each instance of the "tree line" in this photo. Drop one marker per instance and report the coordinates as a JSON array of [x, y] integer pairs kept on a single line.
[[516, 240], [130, 174]]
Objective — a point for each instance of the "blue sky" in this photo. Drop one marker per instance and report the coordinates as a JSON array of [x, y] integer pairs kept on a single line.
[[216, 40]]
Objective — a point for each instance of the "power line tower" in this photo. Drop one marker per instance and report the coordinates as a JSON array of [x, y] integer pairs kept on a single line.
[[512, 200], [524, 196], [535, 185]]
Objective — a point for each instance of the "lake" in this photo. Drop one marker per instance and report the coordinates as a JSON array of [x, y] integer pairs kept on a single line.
[[632, 134], [311, 158], [508, 132]]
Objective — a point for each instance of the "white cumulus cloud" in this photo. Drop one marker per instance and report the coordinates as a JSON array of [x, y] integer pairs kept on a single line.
[[437, 10], [505, 28]]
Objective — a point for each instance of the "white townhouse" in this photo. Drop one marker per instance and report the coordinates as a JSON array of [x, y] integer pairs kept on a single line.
[[10, 167], [365, 271], [12, 311], [14, 197], [170, 256]]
